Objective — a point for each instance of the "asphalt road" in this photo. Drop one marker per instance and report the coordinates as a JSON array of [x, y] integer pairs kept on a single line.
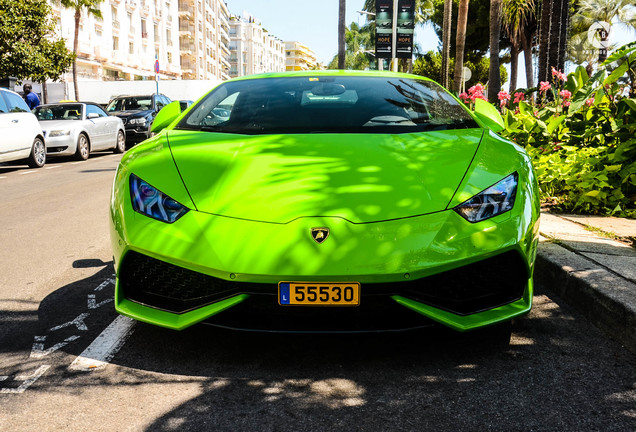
[[559, 374]]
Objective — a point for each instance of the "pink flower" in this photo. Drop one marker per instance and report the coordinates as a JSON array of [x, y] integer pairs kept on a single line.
[[544, 86], [558, 74], [565, 94], [589, 102], [463, 96], [503, 96], [536, 113], [566, 103], [519, 96]]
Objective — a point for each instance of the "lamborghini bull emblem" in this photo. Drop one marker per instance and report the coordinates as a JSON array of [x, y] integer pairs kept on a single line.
[[320, 234]]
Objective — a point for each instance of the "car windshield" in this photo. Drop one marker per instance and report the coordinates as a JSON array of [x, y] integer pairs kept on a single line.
[[133, 103], [59, 112], [327, 104]]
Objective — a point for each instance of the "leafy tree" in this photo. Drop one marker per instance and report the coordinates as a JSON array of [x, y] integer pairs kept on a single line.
[[92, 8], [359, 43], [29, 48], [430, 65]]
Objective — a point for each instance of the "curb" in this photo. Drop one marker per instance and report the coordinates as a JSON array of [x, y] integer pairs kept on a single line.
[[605, 298]]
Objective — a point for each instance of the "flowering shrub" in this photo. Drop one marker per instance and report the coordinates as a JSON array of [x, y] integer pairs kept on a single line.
[[581, 136]]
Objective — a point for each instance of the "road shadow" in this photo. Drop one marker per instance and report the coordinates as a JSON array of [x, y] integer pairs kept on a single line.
[[559, 373]]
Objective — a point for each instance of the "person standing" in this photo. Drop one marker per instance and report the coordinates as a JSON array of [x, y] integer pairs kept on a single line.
[[31, 99]]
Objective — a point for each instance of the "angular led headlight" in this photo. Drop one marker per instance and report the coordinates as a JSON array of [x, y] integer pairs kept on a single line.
[[57, 133], [153, 203], [495, 200]]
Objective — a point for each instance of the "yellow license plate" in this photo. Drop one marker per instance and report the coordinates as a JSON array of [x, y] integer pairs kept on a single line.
[[319, 294]]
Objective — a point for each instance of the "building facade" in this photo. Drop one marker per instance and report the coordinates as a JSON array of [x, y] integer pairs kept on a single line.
[[204, 39], [299, 57], [253, 49], [188, 38]]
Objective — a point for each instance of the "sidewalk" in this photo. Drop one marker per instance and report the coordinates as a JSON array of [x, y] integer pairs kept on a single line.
[[591, 263]]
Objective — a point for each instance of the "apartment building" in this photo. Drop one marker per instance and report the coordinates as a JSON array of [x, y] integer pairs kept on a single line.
[[189, 38], [299, 57], [253, 49], [204, 39]]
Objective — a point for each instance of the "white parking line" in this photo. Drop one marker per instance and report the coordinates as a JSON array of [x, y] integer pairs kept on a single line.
[[26, 172], [75, 163], [52, 167], [105, 346]]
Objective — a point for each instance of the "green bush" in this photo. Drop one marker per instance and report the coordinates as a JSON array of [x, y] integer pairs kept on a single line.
[[580, 133]]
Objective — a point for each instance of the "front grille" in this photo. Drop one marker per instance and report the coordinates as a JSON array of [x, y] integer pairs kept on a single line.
[[476, 287], [169, 287]]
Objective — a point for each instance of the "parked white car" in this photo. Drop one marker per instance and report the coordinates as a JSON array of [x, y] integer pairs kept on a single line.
[[79, 128], [21, 136]]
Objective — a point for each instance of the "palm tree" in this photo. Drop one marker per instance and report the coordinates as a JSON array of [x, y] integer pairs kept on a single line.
[[552, 37], [342, 8], [494, 77], [92, 8], [446, 40], [621, 12], [517, 16], [460, 42]]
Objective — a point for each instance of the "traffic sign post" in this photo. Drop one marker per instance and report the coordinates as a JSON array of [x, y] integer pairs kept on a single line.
[[157, 73]]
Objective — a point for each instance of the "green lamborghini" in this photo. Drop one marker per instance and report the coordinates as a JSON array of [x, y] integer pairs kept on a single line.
[[325, 201]]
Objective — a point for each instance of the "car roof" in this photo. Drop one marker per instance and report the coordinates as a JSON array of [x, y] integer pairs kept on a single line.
[[333, 73]]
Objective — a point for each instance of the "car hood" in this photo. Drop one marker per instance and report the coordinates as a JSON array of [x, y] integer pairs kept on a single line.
[[131, 113], [48, 125], [359, 177]]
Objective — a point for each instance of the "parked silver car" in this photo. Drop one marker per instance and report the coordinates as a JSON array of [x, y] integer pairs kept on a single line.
[[78, 128], [21, 137]]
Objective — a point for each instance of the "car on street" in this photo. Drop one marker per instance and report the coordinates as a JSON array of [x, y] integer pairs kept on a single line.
[[77, 129], [137, 113], [22, 137], [326, 201]]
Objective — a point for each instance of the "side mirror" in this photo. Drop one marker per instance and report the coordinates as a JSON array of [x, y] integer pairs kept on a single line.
[[489, 115], [166, 116], [92, 116]]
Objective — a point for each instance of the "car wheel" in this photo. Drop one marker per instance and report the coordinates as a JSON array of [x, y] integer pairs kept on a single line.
[[37, 158], [82, 148], [120, 147]]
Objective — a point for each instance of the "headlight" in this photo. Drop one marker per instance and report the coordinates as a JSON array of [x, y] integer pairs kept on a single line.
[[56, 133], [495, 200], [153, 203], [138, 121]]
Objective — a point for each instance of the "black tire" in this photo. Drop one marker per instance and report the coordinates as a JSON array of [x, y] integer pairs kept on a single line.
[[83, 148], [120, 146], [37, 158]]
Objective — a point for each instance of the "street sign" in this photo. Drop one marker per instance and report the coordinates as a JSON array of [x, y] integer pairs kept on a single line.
[[157, 66], [383, 28], [405, 28]]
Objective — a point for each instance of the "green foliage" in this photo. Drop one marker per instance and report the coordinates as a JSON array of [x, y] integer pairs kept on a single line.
[[430, 66], [29, 48], [583, 144]]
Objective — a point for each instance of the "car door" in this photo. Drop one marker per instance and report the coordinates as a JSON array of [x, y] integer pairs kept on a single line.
[[101, 126], [111, 126], [16, 124]]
